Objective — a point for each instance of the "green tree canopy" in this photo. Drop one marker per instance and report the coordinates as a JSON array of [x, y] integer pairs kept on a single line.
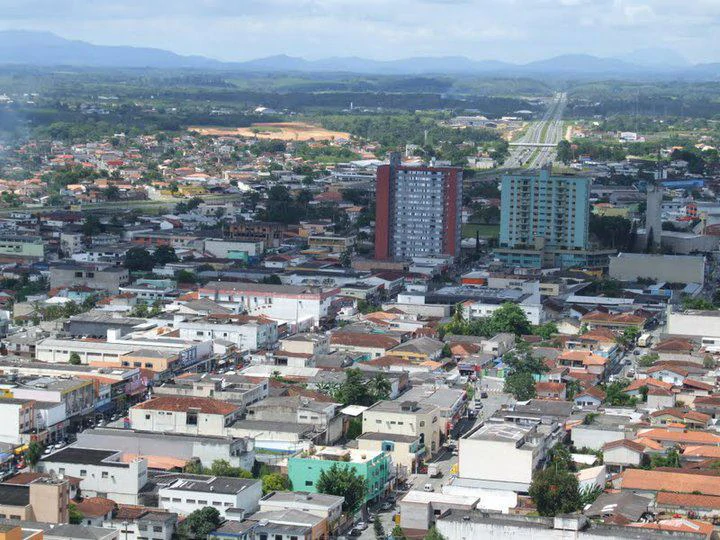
[[521, 385], [275, 482], [200, 523], [164, 255], [343, 481], [139, 259], [555, 491]]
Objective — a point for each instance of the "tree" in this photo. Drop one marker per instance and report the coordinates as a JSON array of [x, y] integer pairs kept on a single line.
[[139, 259], [546, 331], [521, 385], [555, 491], [573, 388], [647, 360], [670, 459], [75, 516], [709, 362], [200, 523], [91, 225], [164, 255], [275, 482], [185, 276], [628, 337], [616, 396], [521, 359], [698, 303], [343, 481], [345, 259], [221, 467], [398, 533], [34, 453], [509, 318], [379, 530], [355, 390], [111, 193], [272, 279], [75, 359], [433, 534], [564, 151]]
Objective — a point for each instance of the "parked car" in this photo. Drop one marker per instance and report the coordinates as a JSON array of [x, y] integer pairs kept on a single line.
[[483, 395], [428, 487], [361, 525]]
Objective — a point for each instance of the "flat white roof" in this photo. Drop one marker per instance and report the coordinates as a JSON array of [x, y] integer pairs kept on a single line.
[[425, 497]]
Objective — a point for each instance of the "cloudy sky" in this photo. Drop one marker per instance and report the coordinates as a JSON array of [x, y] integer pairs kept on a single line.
[[511, 30]]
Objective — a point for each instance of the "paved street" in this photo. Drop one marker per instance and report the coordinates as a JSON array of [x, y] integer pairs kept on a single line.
[[549, 130]]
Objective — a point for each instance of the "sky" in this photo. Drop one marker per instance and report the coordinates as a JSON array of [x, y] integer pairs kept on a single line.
[[508, 30]]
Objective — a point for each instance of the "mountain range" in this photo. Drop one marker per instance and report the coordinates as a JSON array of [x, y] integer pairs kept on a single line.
[[22, 47]]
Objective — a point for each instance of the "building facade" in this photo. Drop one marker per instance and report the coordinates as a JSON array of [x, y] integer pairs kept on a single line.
[[544, 221], [418, 211]]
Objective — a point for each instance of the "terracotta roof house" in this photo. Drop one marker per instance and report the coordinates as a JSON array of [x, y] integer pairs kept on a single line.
[[690, 418]]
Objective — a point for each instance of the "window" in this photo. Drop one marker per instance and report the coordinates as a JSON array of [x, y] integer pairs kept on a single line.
[[83, 472], [61, 470], [190, 501], [166, 499], [157, 528], [308, 482], [202, 502], [142, 527], [176, 500], [217, 503], [147, 417], [104, 474], [192, 419]]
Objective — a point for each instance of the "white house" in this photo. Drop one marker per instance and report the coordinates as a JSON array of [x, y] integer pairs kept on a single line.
[[185, 494]]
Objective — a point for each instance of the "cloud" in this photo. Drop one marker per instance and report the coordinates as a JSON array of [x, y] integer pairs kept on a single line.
[[515, 30]]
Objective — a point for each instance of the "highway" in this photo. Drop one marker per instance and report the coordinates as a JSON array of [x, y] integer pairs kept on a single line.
[[547, 131]]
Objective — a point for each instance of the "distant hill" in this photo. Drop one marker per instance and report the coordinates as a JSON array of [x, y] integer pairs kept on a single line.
[[46, 49], [22, 47]]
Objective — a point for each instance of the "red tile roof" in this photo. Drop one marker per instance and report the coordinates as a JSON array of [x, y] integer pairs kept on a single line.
[[688, 500], [678, 482], [184, 404], [95, 506]]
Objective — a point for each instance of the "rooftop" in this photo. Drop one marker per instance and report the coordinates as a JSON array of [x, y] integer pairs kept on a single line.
[[186, 404]]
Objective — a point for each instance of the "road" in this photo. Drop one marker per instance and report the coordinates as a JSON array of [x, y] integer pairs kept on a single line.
[[549, 131]]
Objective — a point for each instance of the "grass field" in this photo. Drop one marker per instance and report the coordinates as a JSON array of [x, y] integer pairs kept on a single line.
[[486, 231]]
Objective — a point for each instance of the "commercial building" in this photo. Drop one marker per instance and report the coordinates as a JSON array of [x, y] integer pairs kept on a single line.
[[21, 248], [511, 453], [189, 415], [102, 473], [185, 493], [44, 500], [238, 452], [420, 420], [544, 222], [418, 211], [696, 323], [670, 268], [304, 470], [109, 278], [306, 306]]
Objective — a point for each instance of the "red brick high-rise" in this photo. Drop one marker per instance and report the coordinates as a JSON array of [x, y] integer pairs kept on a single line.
[[418, 211]]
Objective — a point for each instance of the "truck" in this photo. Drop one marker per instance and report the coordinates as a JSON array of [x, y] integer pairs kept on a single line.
[[645, 340], [434, 470]]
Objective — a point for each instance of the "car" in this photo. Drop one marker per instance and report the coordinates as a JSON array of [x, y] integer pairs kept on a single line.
[[428, 487], [355, 532], [59, 445], [386, 507], [48, 450], [483, 395], [361, 525]]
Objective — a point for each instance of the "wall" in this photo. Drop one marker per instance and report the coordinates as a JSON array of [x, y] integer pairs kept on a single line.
[[672, 268], [500, 462]]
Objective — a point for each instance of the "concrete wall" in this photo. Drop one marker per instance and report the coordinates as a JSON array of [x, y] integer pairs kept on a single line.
[[500, 462], [672, 268]]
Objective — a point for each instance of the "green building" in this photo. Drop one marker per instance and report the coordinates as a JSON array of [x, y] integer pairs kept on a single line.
[[22, 247], [304, 470]]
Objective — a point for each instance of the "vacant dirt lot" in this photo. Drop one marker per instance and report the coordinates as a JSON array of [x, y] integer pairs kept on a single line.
[[284, 131]]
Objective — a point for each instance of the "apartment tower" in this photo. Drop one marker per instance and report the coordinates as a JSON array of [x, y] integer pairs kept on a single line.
[[418, 211]]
